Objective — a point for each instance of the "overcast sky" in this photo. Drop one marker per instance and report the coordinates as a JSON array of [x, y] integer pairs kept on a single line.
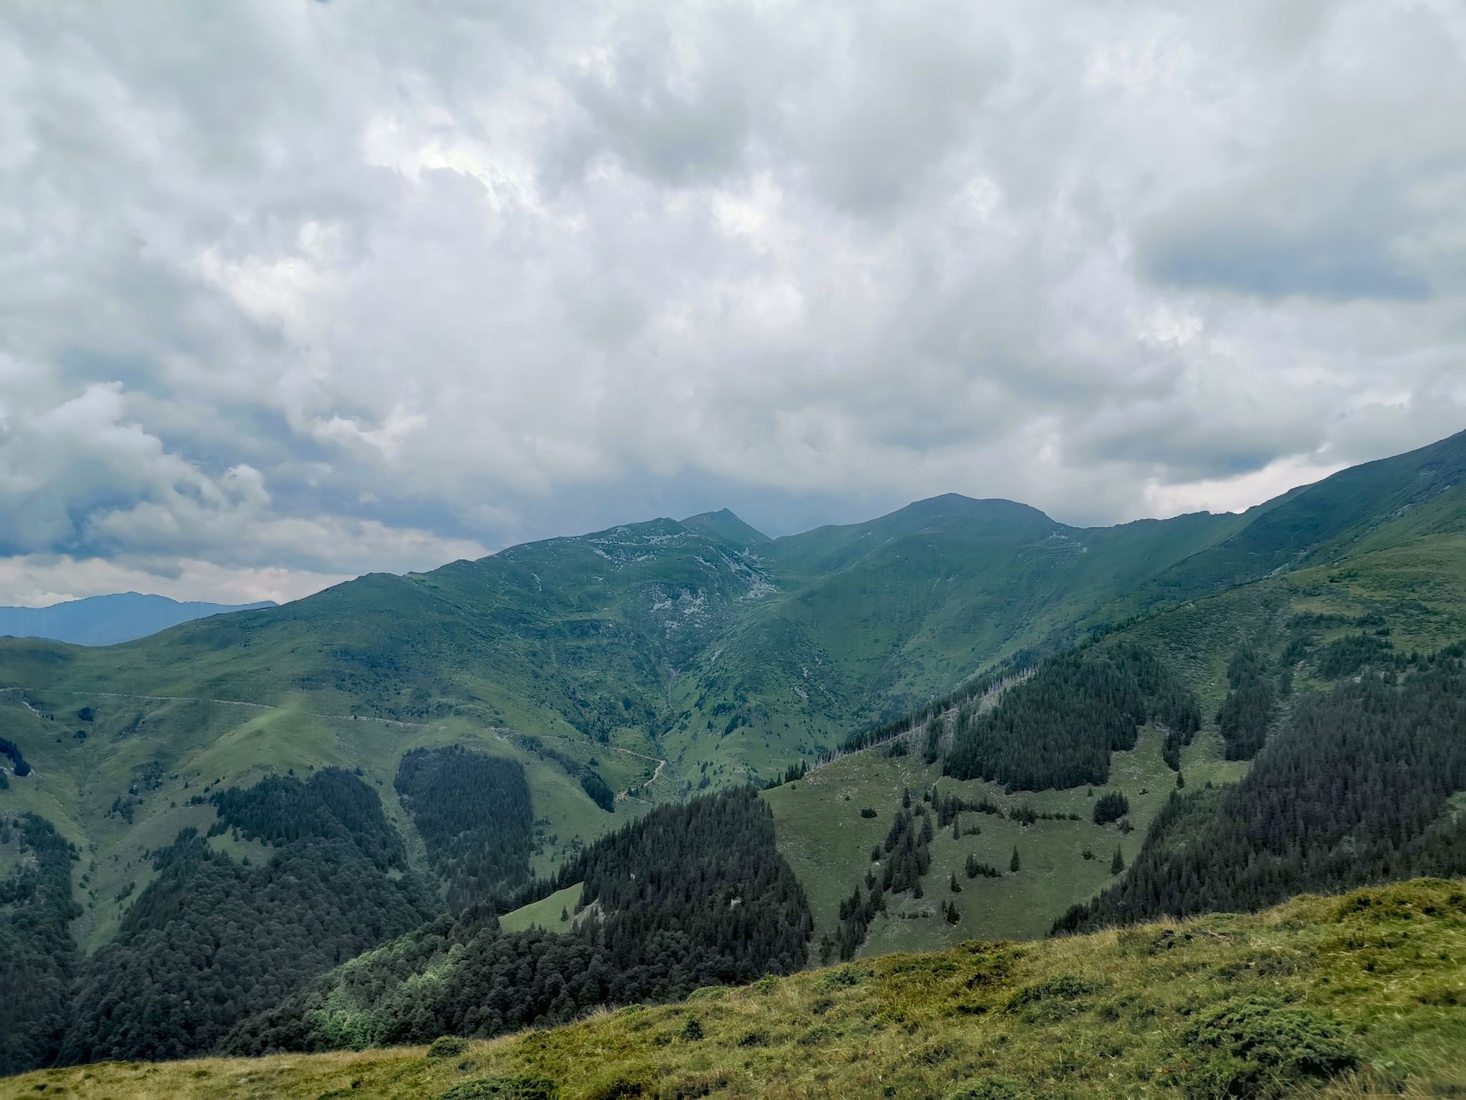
[[292, 291]]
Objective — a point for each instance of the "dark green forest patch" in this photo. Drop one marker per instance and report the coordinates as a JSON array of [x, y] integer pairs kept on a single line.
[[474, 815], [1354, 791], [688, 896]]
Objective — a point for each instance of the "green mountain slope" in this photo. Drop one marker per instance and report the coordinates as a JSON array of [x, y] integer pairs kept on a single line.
[[1334, 996], [1371, 506], [664, 656]]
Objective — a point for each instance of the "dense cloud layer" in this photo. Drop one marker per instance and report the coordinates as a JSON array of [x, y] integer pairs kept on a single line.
[[291, 291]]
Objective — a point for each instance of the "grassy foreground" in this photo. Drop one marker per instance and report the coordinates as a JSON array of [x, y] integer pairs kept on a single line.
[[1358, 995]]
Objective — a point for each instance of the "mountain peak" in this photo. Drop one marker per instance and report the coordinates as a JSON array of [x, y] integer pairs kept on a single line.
[[725, 525], [957, 506]]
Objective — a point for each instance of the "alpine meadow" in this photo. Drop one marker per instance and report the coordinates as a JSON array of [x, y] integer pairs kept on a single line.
[[732, 549]]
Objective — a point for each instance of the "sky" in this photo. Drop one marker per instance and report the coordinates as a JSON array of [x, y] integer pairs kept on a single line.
[[292, 291]]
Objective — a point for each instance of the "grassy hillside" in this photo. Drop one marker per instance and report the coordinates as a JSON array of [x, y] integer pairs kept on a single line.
[[1365, 507], [124, 789], [1335, 996], [662, 656], [828, 843]]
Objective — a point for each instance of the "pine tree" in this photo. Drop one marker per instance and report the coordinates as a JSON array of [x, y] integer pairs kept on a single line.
[[1013, 864], [953, 885], [1117, 864]]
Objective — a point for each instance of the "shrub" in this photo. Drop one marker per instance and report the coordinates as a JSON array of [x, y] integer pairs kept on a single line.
[[447, 1046], [1065, 987], [1257, 1046]]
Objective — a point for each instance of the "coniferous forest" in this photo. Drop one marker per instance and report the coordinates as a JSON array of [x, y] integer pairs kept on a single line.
[[1354, 791], [474, 816], [1058, 727], [211, 941], [688, 896], [37, 956]]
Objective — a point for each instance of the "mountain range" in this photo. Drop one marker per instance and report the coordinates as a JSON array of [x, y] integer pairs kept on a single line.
[[970, 720], [110, 619]]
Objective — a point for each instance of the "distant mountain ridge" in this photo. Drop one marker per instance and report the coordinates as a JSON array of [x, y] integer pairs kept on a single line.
[[111, 619]]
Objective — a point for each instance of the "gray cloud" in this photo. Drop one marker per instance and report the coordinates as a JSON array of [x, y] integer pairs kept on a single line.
[[292, 291], [1326, 246]]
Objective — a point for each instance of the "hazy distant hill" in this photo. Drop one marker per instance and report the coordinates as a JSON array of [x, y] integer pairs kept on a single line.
[[107, 620]]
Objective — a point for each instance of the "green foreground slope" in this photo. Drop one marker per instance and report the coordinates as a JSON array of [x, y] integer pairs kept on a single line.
[[1348, 996]]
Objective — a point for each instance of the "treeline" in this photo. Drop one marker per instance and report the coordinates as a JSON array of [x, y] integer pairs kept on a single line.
[[1036, 736], [1347, 655], [689, 895], [474, 815], [211, 941], [792, 774], [1009, 672], [904, 858], [1355, 790], [1058, 728], [37, 954]]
